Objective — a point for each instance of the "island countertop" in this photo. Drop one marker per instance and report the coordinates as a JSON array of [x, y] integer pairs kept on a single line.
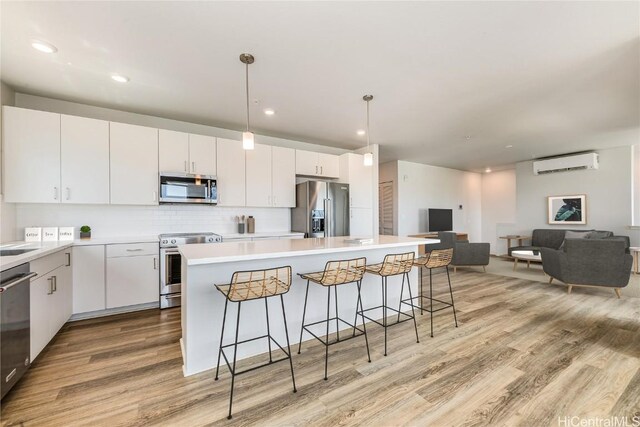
[[199, 254]]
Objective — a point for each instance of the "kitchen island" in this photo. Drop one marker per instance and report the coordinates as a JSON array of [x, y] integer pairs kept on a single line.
[[206, 264]]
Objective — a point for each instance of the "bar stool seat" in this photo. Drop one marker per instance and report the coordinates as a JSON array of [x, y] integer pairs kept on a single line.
[[335, 273], [437, 258], [393, 265], [247, 286]]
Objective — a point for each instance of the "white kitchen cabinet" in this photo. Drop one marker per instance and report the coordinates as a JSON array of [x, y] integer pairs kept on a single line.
[[84, 160], [361, 222], [188, 153], [173, 150], [132, 279], [258, 176], [31, 156], [134, 164], [231, 173], [359, 177], [283, 173], [50, 298], [202, 154], [88, 278], [310, 163]]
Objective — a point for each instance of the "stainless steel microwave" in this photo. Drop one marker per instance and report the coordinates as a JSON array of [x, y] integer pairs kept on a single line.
[[188, 188]]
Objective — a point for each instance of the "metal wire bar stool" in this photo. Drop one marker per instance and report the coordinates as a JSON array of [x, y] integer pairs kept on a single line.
[[438, 258], [393, 265], [247, 286], [336, 273]]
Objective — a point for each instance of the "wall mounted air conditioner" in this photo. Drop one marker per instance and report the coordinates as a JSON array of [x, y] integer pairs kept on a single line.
[[566, 163]]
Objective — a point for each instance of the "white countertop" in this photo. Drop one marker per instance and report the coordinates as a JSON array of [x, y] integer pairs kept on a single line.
[[265, 249], [46, 248], [261, 235]]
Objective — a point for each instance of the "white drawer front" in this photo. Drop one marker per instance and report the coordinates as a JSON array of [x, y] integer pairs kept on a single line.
[[49, 263], [132, 249]]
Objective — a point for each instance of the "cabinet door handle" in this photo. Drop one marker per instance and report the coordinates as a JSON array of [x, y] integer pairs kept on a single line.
[[275, 203], [321, 170], [155, 266], [68, 254], [316, 169], [134, 250], [68, 193], [55, 193], [55, 283], [185, 165], [50, 279], [193, 166]]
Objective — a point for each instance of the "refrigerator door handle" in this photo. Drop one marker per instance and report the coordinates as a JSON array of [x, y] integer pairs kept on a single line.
[[328, 218]]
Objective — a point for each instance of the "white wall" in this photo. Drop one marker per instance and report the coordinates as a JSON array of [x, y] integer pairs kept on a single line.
[[609, 192], [111, 220], [636, 185], [421, 187], [498, 206], [7, 210]]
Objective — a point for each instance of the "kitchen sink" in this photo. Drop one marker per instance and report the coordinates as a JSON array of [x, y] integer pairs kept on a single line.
[[12, 252]]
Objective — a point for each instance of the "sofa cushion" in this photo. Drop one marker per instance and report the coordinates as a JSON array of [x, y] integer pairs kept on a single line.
[[598, 234], [575, 235]]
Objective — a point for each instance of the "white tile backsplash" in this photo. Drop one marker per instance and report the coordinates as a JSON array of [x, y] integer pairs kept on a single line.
[[111, 220]]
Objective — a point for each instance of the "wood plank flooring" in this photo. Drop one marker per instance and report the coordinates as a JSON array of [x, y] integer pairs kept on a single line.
[[525, 353]]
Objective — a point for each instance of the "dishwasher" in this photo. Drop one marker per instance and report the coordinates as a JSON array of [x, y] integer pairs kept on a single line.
[[15, 332]]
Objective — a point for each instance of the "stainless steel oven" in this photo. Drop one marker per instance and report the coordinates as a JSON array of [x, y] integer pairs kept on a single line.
[[188, 188], [171, 264]]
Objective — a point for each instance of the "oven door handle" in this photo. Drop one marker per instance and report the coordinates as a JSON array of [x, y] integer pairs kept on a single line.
[[171, 296]]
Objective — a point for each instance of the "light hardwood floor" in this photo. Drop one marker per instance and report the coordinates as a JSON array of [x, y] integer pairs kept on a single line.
[[525, 353]]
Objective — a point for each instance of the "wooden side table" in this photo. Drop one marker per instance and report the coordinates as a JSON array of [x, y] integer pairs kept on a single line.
[[514, 237], [634, 251]]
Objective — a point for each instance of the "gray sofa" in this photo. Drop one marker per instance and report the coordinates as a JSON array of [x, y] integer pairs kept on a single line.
[[589, 262], [553, 238], [464, 253]]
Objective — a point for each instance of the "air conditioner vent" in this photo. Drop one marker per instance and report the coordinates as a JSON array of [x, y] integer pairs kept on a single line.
[[566, 164]]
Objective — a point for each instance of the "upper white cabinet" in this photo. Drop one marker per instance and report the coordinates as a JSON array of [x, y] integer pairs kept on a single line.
[[283, 173], [271, 176], [134, 165], [311, 163], [359, 177], [188, 153], [84, 160], [31, 156], [173, 151], [231, 173], [202, 154], [259, 169]]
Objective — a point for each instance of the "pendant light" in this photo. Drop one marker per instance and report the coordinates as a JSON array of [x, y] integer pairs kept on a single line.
[[368, 156], [247, 136]]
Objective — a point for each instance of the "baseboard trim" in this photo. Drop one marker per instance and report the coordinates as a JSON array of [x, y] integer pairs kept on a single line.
[[112, 311]]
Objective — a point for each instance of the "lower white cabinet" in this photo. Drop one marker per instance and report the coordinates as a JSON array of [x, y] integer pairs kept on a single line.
[[132, 274], [51, 298], [88, 278]]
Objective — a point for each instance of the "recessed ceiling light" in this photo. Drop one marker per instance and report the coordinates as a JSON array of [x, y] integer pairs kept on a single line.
[[120, 78], [508, 146], [361, 132], [487, 170], [269, 111], [44, 46]]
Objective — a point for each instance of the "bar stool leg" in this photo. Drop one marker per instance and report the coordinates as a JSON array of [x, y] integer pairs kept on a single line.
[[451, 293], [224, 320], [304, 312], [326, 347], [400, 303], [364, 327], [266, 308], [335, 289], [420, 291], [413, 313], [235, 354], [431, 298], [384, 309], [286, 333]]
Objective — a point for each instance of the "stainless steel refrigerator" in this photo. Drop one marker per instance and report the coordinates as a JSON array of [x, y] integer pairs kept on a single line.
[[322, 209]]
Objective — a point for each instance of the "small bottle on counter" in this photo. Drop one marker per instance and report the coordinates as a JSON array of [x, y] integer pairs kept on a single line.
[[251, 224]]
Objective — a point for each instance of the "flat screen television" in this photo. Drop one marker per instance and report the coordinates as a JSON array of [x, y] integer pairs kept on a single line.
[[440, 219]]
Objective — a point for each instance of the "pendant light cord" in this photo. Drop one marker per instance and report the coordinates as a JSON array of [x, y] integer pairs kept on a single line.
[[247, 90], [368, 126]]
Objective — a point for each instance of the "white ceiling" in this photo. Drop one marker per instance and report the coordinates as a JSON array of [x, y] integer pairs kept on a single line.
[[545, 77]]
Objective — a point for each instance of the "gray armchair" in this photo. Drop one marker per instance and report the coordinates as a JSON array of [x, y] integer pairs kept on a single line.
[[464, 253], [587, 262]]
